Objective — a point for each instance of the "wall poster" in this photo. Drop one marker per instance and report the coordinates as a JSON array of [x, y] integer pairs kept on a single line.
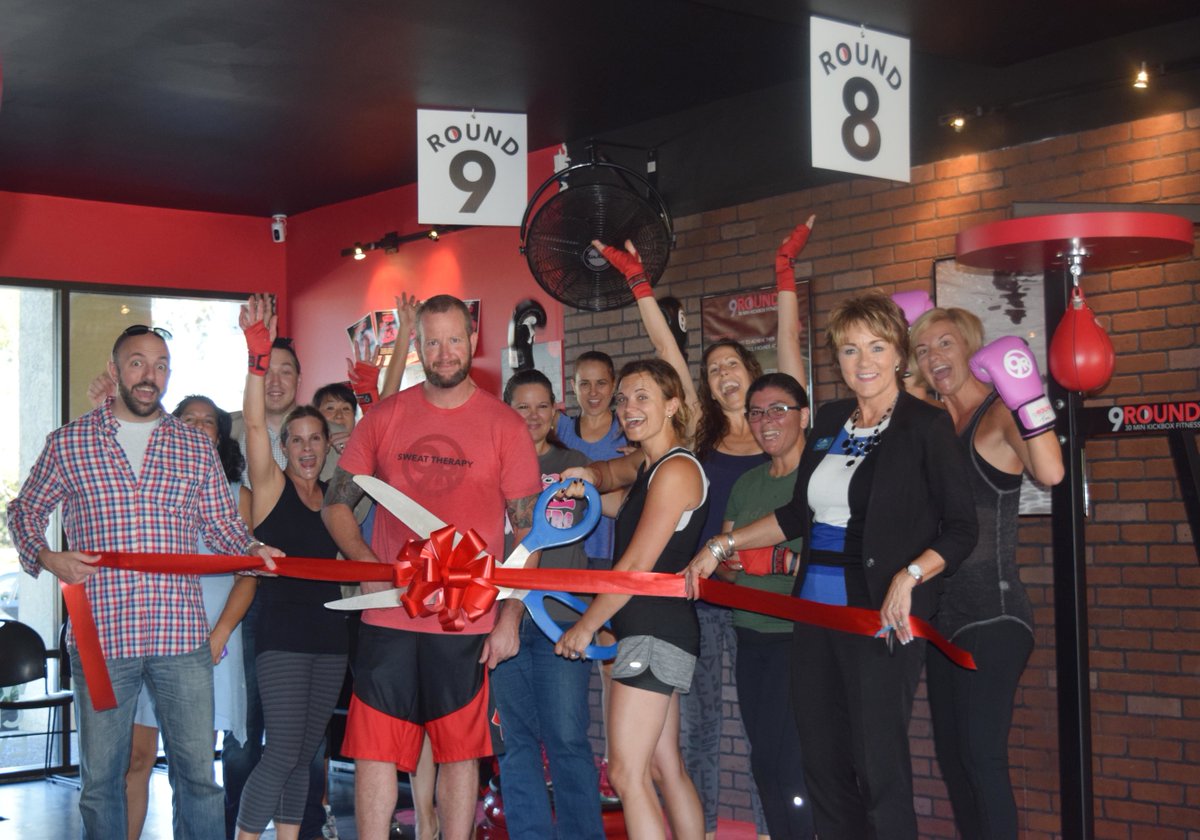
[[750, 317]]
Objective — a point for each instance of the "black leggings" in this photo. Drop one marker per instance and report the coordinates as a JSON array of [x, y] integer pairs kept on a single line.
[[764, 696], [972, 713], [299, 691]]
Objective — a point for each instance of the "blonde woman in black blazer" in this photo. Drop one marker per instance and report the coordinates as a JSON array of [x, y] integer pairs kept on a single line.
[[884, 506]]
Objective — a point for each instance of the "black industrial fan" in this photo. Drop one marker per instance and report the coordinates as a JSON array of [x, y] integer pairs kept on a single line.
[[601, 201]]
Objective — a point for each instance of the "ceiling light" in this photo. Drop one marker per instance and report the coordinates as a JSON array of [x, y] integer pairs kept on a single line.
[[1142, 80], [433, 234], [359, 253], [958, 120]]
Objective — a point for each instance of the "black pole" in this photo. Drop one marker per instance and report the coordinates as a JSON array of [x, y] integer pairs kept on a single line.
[[1070, 596]]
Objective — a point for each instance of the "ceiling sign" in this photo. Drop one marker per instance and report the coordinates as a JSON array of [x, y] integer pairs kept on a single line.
[[859, 88], [471, 168]]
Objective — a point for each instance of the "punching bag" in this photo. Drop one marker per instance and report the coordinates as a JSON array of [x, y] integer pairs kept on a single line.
[[1081, 354]]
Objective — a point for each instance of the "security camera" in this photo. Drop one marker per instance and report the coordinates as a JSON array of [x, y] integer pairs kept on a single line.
[[278, 228]]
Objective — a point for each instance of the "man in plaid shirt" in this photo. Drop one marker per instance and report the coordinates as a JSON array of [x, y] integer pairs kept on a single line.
[[130, 477]]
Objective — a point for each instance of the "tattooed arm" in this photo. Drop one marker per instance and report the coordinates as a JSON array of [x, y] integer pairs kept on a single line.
[[505, 639], [337, 513]]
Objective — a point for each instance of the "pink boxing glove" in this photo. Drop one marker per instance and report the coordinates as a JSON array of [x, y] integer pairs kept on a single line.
[[913, 304], [1009, 364]]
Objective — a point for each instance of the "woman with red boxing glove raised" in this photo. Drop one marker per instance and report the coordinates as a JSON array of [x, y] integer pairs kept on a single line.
[[983, 607], [723, 441], [300, 646]]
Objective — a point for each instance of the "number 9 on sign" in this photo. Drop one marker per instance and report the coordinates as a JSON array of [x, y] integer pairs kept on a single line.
[[473, 172]]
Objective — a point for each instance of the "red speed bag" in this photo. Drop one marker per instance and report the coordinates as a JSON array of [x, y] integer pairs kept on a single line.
[[1081, 354]]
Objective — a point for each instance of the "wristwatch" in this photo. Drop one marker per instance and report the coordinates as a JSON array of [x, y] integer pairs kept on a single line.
[[915, 570]]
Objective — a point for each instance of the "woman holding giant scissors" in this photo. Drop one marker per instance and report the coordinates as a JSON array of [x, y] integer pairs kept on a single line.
[[657, 529]]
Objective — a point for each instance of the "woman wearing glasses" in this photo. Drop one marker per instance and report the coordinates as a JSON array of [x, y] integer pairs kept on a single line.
[[883, 504], [777, 411], [726, 448]]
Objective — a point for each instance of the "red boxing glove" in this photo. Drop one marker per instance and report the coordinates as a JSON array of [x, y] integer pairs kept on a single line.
[[364, 379], [785, 257], [631, 266], [258, 348]]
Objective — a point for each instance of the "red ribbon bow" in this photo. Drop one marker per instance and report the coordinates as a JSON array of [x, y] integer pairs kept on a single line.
[[451, 581]]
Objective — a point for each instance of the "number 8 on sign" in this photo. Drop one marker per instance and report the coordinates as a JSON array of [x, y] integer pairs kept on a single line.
[[859, 90], [859, 99]]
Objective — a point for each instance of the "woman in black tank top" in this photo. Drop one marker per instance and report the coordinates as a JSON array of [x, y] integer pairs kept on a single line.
[[983, 606], [657, 528], [300, 646]]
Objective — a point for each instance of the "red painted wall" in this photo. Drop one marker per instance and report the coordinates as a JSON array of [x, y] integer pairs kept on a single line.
[[63, 239], [327, 292]]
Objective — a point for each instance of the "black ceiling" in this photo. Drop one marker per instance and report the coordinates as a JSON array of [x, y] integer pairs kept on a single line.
[[279, 106]]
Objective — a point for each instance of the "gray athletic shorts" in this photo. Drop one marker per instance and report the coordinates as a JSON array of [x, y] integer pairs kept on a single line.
[[650, 663]]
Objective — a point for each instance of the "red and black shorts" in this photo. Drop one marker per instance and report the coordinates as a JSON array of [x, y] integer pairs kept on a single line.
[[407, 684]]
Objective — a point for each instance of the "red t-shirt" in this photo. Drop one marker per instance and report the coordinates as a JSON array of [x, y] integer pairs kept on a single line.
[[461, 464]]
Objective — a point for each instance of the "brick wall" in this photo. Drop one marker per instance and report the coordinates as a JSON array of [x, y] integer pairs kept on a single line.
[[1143, 575]]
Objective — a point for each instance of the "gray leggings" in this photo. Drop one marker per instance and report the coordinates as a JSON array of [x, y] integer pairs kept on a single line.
[[298, 693]]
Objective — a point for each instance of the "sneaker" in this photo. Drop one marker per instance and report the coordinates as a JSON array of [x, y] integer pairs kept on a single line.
[[329, 830], [608, 796]]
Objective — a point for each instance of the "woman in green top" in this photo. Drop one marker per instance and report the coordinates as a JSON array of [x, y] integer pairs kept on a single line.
[[777, 411]]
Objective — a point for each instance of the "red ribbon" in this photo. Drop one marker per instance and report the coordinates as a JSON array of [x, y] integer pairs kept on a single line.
[[460, 584]]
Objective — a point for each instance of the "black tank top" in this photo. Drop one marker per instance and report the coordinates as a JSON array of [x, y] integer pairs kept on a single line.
[[987, 586], [291, 612], [670, 619]]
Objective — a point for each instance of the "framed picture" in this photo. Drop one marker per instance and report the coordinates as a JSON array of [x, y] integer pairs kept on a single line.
[[1008, 304], [364, 339], [751, 318]]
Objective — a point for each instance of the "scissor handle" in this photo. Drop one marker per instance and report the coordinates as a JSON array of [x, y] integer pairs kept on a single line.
[[535, 602], [545, 535]]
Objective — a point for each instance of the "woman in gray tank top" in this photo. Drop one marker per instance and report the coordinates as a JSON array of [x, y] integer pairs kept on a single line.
[[983, 607]]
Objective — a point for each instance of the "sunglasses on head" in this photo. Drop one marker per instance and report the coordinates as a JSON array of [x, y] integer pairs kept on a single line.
[[142, 329]]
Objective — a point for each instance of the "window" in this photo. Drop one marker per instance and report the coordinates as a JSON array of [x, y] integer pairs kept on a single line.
[[208, 356]]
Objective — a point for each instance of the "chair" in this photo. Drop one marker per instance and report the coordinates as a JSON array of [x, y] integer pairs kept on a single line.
[[23, 660]]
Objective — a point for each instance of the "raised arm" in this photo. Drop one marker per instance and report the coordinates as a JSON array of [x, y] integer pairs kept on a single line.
[[406, 317], [657, 329], [791, 359], [257, 320]]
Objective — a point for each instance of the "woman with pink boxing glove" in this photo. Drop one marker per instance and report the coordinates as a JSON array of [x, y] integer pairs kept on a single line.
[[1007, 430]]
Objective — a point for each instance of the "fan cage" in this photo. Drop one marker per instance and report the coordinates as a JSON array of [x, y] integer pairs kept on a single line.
[[599, 203]]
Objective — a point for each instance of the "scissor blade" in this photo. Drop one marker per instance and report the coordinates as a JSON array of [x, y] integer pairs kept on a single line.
[[372, 601], [516, 560], [417, 518]]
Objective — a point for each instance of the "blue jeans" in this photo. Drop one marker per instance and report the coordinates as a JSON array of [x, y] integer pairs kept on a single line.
[[183, 698], [542, 699]]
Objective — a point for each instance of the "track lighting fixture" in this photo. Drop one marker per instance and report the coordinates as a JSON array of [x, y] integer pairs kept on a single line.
[[391, 241], [1142, 80]]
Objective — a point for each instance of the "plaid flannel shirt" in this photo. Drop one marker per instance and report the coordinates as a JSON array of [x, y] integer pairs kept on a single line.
[[181, 495]]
